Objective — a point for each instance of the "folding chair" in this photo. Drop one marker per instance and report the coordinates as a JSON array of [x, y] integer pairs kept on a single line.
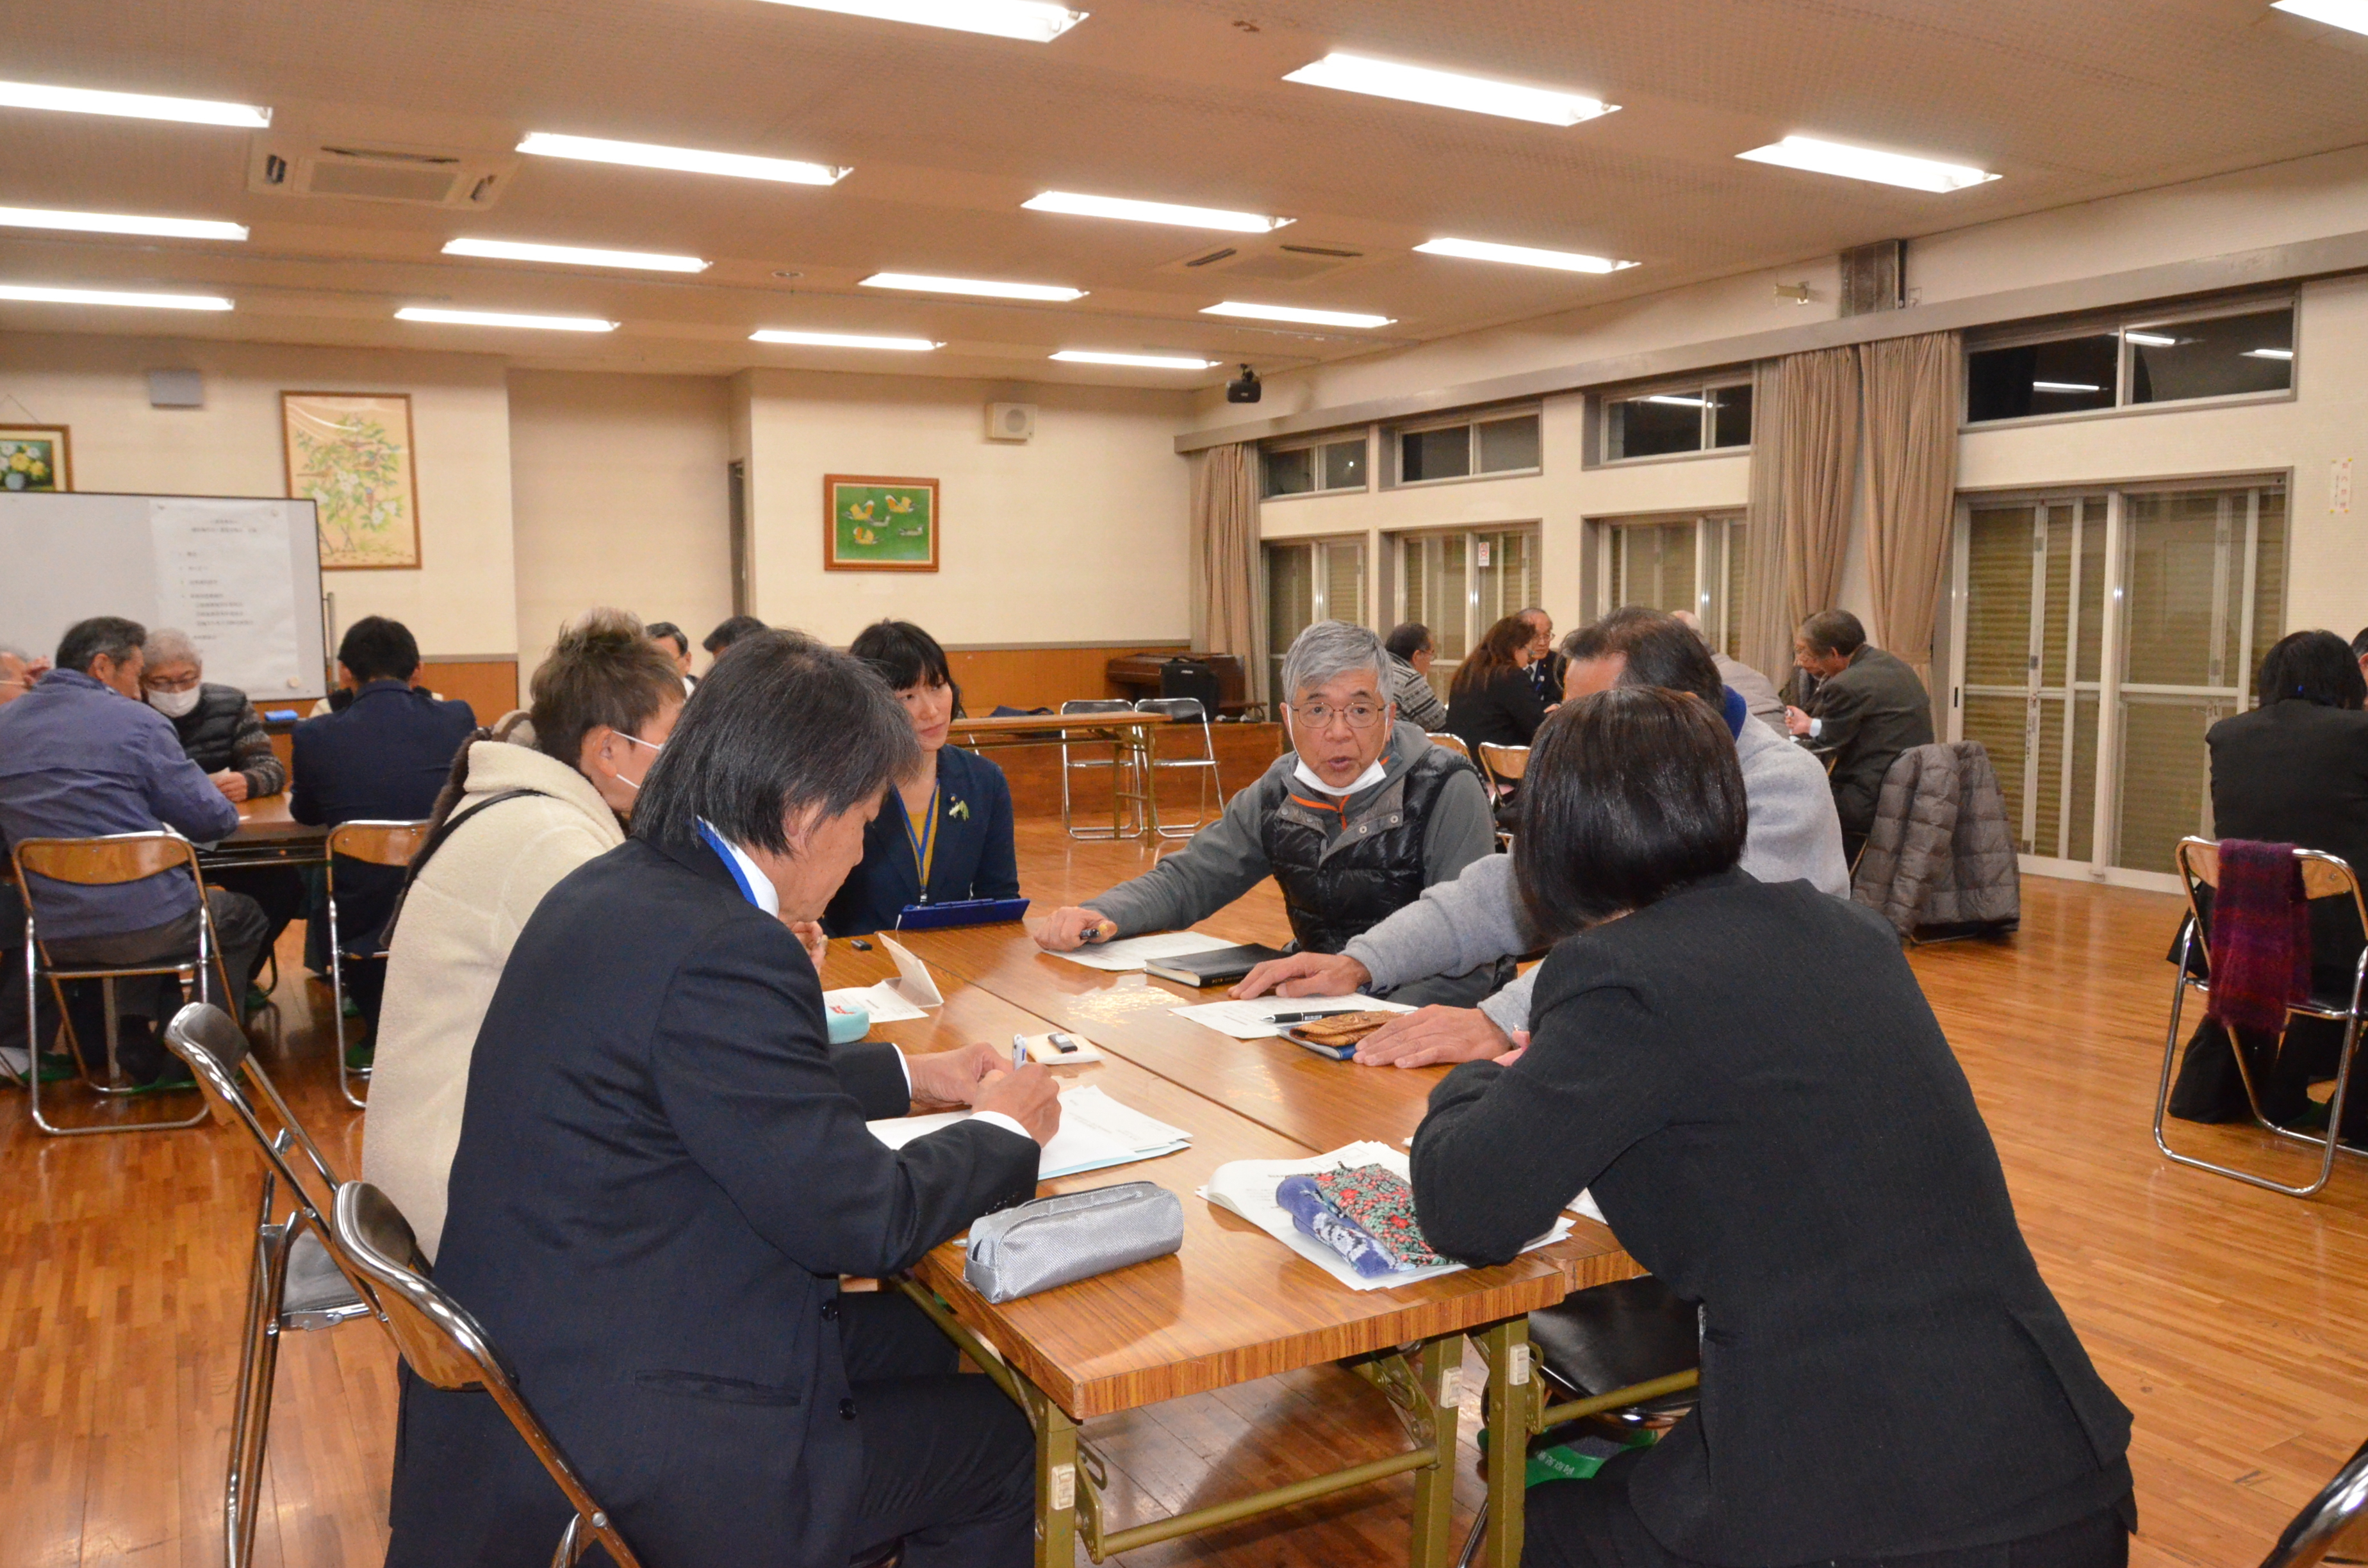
[[2333, 1525], [1120, 764], [378, 844], [295, 1282], [1182, 711], [1502, 769], [2323, 876], [106, 862], [1446, 741], [442, 1343], [1629, 1351]]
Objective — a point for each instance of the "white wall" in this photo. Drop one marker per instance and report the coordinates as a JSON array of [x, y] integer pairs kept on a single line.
[[460, 602], [1078, 536], [618, 487]]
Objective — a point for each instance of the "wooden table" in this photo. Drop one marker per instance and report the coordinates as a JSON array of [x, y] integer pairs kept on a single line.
[[1232, 1306], [268, 836], [1126, 733]]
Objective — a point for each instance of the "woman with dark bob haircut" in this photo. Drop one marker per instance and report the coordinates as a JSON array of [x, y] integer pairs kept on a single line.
[[943, 834], [1884, 1376]]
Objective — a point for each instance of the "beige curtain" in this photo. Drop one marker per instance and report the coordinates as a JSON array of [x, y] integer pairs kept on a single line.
[[1225, 546], [1911, 471], [1804, 469], [1766, 640]]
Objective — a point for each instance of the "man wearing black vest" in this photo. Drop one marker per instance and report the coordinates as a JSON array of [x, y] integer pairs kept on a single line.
[[1352, 825], [1868, 708]]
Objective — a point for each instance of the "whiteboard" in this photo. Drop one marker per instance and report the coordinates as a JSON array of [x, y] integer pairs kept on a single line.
[[241, 575]]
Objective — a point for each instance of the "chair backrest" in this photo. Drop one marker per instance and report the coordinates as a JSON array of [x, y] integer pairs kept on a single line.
[[2323, 876], [379, 843], [2333, 1525], [100, 862], [1097, 705], [1445, 742], [1507, 763], [1178, 710], [1193, 678], [222, 1060]]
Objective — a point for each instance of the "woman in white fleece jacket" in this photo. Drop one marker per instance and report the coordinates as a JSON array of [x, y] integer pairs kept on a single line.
[[603, 703]]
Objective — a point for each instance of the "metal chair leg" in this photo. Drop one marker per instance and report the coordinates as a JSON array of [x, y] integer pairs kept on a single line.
[[250, 1430], [346, 1074], [73, 1044]]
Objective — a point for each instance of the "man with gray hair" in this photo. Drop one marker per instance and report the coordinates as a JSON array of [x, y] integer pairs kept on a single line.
[[219, 727], [1352, 825]]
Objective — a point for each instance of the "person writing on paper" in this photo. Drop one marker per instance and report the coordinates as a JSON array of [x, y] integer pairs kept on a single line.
[[1476, 920], [664, 1170], [1353, 824], [1886, 1378], [944, 833]]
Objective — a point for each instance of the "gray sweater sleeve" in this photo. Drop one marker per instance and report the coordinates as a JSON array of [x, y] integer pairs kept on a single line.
[[1454, 927], [1418, 703], [1224, 860], [1795, 834]]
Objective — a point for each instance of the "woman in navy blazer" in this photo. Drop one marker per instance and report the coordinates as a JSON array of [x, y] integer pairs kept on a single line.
[[951, 815]]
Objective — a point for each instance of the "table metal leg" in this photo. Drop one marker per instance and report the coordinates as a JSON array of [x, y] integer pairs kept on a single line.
[[1512, 1418], [1438, 1369], [1056, 1480]]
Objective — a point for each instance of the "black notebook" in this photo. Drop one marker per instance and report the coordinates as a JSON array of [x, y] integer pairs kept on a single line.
[[1221, 966]]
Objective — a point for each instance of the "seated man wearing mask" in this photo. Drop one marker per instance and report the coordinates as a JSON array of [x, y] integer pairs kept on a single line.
[[1353, 826], [1471, 924]]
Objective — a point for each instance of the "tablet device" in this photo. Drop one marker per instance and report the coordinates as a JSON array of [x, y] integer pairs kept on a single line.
[[965, 912]]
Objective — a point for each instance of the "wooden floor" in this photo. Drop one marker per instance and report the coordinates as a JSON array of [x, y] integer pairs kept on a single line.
[[2229, 1319]]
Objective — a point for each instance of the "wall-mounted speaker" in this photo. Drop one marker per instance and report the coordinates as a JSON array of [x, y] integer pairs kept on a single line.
[[176, 389], [1010, 421]]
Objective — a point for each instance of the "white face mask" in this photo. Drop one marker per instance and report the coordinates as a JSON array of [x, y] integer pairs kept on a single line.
[[635, 784], [175, 704]]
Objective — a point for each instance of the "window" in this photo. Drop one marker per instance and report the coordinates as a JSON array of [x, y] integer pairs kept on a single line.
[[1677, 420], [1469, 447], [1315, 468], [2245, 352], [1460, 582], [1690, 563], [1308, 581]]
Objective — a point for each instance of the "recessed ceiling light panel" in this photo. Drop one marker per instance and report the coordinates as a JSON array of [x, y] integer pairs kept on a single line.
[[2351, 16], [503, 318], [576, 256], [1295, 313], [121, 223], [2065, 387], [1139, 361], [2269, 353], [34, 293], [843, 340], [2152, 339], [1153, 212], [133, 106], [1522, 255], [1448, 89], [987, 288], [1032, 21], [682, 160], [1823, 157]]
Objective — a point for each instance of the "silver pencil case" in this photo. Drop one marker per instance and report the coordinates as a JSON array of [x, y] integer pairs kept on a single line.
[[1059, 1241]]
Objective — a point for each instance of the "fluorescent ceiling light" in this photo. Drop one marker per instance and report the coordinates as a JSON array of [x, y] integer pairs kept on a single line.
[[1864, 163], [1295, 313], [576, 256], [1032, 21], [923, 284], [682, 160], [843, 340], [1153, 212], [1521, 255], [504, 318], [35, 293], [121, 223], [1677, 402], [2064, 387], [133, 106], [2350, 14], [2269, 353], [1141, 362], [2152, 339], [1448, 89]]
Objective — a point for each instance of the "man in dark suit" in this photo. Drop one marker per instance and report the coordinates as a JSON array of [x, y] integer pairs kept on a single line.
[[664, 1170], [1545, 665], [1868, 708], [382, 758]]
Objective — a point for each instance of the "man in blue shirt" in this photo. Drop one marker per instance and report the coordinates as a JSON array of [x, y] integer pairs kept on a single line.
[[383, 757], [82, 756]]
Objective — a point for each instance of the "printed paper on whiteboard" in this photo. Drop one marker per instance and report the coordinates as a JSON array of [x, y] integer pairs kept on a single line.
[[225, 577]]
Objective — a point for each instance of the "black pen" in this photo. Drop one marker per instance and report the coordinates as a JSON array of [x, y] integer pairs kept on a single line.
[[1308, 1017]]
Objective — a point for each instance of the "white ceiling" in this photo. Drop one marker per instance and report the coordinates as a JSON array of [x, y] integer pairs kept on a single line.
[[1175, 100]]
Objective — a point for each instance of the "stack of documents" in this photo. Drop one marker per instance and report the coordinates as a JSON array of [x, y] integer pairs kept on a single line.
[[1125, 957], [1255, 1020], [1096, 1132], [1247, 1188], [893, 1001]]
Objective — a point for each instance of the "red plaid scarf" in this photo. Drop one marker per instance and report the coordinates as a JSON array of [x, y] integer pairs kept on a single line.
[[2259, 935]]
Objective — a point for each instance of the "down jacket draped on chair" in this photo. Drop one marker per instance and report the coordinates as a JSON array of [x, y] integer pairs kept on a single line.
[[1941, 852]]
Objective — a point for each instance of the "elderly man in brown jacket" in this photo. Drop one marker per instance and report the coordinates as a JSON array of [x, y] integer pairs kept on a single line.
[[1868, 708]]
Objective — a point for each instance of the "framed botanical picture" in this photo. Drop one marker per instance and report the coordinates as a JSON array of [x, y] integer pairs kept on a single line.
[[33, 457], [349, 453], [871, 524]]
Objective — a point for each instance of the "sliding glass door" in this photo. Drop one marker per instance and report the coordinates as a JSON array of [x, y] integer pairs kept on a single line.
[[1460, 582], [1695, 563]]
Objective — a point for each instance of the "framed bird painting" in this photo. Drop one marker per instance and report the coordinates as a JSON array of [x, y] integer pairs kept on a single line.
[[872, 524]]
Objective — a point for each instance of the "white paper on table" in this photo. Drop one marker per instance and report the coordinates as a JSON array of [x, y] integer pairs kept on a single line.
[[912, 981], [1096, 1133], [1126, 955], [882, 1001], [1246, 1188], [1255, 1020], [223, 576]]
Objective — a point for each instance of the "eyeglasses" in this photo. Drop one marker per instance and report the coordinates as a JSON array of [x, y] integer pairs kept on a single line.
[[1319, 715]]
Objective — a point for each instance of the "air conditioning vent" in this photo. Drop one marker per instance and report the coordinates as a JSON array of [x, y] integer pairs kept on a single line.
[[1335, 254], [418, 177], [1267, 260], [1214, 257]]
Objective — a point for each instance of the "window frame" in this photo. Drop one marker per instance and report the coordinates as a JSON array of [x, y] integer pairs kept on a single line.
[[1471, 420], [1317, 444], [2118, 326], [1718, 530], [1319, 583], [1392, 590], [1702, 386]]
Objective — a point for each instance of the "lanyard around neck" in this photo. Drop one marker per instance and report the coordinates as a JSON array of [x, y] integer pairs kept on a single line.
[[925, 843]]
